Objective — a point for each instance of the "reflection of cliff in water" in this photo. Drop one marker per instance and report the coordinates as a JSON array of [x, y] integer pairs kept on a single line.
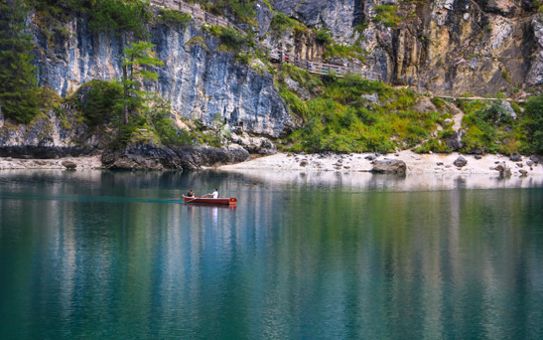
[[302, 255]]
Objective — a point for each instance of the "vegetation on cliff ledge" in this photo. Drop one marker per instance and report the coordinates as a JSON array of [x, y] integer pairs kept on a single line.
[[352, 114], [356, 115]]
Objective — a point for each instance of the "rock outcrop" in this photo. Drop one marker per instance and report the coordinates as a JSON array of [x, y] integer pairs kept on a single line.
[[46, 137], [389, 166], [152, 157], [445, 46], [460, 162]]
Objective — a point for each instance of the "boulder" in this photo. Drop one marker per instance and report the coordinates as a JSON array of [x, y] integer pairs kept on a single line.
[[424, 104], [515, 158], [255, 145], [504, 170], [69, 165], [523, 173], [477, 157], [460, 162], [389, 166]]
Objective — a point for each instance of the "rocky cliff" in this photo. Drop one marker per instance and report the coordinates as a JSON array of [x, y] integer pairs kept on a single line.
[[200, 81], [446, 46]]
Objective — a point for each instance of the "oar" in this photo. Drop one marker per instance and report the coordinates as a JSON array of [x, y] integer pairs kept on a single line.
[[195, 198]]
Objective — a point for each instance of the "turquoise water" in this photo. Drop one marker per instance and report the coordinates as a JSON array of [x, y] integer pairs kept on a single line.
[[114, 255]]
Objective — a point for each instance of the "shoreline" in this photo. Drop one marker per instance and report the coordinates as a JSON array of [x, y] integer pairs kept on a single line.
[[81, 163], [439, 164]]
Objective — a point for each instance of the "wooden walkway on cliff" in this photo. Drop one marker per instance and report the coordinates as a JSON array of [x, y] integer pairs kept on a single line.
[[197, 13]]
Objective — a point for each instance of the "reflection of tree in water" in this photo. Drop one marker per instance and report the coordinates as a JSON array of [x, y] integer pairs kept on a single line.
[[293, 259]]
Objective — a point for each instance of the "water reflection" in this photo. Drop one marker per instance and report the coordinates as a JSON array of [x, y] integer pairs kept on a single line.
[[295, 259]]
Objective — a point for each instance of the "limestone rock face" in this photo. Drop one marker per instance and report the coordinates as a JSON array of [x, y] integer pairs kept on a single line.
[[47, 137], [200, 81], [445, 46]]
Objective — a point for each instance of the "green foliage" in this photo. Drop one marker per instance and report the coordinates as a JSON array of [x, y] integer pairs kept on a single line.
[[138, 66], [161, 121], [341, 119], [19, 94], [533, 125], [387, 14], [197, 40], [99, 101], [173, 18], [323, 37], [433, 145], [352, 52], [230, 38], [313, 83], [295, 103], [489, 129], [242, 10], [101, 104], [282, 23], [118, 16]]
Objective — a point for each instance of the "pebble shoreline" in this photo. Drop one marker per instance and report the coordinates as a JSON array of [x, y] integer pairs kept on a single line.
[[82, 163], [423, 164], [344, 163]]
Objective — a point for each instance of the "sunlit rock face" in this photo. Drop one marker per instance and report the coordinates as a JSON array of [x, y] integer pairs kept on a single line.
[[446, 46], [200, 82]]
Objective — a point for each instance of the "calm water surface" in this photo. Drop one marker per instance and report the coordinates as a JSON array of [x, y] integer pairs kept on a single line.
[[114, 255]]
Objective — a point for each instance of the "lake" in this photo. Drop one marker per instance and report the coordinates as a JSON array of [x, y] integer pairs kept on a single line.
[[317, 256]]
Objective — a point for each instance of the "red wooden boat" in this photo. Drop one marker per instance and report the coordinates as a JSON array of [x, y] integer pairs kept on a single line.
[[232, 201]]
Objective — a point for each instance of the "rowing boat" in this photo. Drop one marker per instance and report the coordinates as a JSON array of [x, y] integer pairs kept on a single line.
[[232, 201]]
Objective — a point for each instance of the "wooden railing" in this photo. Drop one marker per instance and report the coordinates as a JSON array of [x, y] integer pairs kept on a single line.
[[315, 67], [195, 11]]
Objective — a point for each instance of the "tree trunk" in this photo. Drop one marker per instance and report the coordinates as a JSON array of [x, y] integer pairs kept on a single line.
[[125, 94]]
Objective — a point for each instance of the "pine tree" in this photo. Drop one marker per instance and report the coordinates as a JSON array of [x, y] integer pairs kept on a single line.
[[138, 66], [19, 94]]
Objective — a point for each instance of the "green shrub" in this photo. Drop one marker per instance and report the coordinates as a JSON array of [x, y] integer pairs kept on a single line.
[[352, 52], [230, 38], [282, 23], [339, 119], [323, 37], [533, 124], [433, 145], [100, 101], [295, 103], [120, 16], [313, 83], [387, 14], [173, 18], [489, 128], [117, 16]]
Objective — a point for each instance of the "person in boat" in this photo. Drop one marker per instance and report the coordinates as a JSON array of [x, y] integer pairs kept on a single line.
[[215, 194], [190, 193]]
